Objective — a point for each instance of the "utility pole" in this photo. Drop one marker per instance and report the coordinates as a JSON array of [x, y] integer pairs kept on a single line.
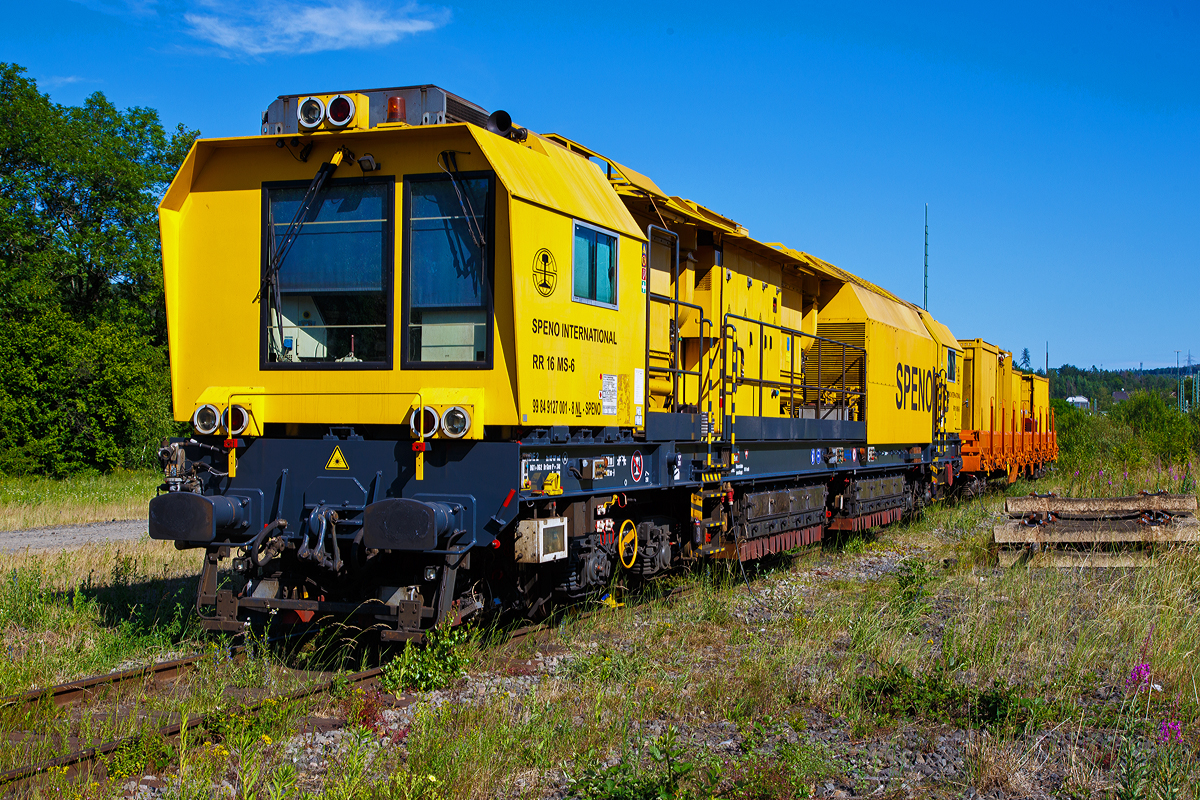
[[1195, 388], [1178, 384], [926, 303]]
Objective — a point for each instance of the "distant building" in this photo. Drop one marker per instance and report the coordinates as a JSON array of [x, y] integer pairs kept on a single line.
[[1120, 396], [1079, 401]]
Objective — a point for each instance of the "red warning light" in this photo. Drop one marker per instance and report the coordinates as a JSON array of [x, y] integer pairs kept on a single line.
[[396, 110], [340, 110]]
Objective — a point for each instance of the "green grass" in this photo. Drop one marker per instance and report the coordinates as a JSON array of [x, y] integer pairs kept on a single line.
[[113, 606], [1002, 654], [78, 612], [33, 502]]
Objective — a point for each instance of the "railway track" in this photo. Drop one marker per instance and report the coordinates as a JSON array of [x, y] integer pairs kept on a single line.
[[85, 760], [65, 694]]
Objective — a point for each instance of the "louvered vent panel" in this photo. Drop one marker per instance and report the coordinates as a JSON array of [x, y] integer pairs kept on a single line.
[[854, 333], [461, 112], [832, 361]]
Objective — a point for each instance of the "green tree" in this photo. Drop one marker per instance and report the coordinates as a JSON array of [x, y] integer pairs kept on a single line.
[[79, 188], [83, 374], [79, 396]]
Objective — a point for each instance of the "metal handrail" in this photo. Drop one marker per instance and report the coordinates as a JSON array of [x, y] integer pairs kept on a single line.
[[676, 357], [762, 382]]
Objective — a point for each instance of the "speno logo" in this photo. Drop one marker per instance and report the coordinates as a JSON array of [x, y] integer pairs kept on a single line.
[[545, 272]]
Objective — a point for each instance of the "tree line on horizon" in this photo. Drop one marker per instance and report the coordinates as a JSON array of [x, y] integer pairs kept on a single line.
[[1099, 384]]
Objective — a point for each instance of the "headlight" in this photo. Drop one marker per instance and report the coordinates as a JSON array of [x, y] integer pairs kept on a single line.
[[424, 420], [206, 419], [235, 419], [311, 112], [341, 110], [456, 422]]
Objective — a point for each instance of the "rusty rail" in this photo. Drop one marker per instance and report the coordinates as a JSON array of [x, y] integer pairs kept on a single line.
[[86, 758], [83, 760], [65, 694]]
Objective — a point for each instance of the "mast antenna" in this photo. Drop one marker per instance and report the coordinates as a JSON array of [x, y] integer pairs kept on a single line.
[[926, 303]]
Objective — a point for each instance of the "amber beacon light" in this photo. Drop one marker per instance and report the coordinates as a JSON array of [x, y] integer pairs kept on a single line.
[[396, 111]]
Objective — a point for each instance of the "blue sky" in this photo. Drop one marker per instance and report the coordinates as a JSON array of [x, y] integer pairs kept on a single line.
[[1056, 143]]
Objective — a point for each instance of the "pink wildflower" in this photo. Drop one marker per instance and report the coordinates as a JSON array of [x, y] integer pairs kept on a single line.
[[1139, 677], [1170, 731]]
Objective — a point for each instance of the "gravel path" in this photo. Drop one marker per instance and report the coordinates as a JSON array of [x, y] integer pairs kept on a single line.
[[65, 537]]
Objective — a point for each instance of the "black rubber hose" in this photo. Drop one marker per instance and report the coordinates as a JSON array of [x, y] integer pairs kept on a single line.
[[263, 535]]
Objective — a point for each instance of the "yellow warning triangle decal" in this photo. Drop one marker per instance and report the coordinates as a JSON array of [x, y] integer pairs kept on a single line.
[[337, 460]]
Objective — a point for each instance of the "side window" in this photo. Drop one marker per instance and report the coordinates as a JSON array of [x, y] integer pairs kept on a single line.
[[330, 303], [594, 266], [951, 365], [447, 270]]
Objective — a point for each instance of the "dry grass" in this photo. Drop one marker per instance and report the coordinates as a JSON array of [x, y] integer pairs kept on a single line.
[[34, 502], [71, 613], [997, 763], [100, 564]]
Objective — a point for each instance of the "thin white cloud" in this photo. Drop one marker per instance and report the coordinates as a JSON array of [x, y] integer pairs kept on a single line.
[[122, 8], [259, 27], [55, 81]]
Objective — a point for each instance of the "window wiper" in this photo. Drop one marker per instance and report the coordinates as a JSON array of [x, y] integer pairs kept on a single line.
[[464, 202], [277, 252]]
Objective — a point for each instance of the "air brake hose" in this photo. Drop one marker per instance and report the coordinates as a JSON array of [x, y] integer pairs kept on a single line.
[[263, 535]]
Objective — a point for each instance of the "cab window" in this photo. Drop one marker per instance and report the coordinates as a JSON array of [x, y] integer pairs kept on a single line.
[[594, 266], [951, 365], [448, 249], [328, 305]]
